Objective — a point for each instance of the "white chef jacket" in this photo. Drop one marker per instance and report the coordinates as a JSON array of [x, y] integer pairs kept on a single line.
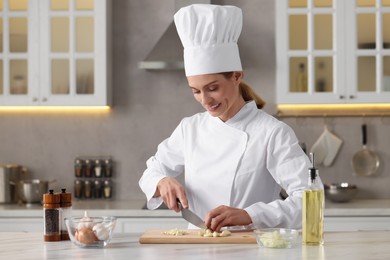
[[242, 163]]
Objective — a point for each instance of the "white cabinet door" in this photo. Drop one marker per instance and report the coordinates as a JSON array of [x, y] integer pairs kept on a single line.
[[139, 225], [367, 33], [55, 53], [333, 52]]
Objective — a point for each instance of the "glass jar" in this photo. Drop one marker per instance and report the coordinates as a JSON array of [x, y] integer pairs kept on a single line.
[[108, 168], [107, 189], [98, 169], [78, 189], [88, 168], [97, 189], [87, 189], [78, 168]]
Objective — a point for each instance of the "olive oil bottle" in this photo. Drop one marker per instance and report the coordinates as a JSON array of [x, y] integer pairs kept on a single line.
[[313, 209]]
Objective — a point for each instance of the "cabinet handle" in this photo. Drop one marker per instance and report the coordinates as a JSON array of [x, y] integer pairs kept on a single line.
[[35, 99], [44, 99], [351, 97], [341, 97]]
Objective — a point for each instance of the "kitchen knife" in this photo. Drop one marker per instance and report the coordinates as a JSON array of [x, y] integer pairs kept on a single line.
[[191, 217]]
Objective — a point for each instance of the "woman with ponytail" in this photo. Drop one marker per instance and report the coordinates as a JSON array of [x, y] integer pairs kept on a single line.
[[235, 157]]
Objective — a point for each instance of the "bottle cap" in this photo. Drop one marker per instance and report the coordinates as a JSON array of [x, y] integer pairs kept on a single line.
[[312, 170]]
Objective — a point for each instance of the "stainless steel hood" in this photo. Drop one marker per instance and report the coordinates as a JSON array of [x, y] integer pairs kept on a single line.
[[167, 53]]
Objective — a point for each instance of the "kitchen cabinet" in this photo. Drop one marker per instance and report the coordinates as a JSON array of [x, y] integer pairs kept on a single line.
[[55, 53], [333, 52]]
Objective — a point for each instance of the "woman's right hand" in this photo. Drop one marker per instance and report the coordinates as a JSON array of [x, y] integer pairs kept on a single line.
[[170, 191]]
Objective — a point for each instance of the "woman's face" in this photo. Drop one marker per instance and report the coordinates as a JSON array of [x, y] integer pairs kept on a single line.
[[219, 95]]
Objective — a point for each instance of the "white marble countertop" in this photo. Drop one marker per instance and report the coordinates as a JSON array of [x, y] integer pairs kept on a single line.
[[133, 208], [338, 245]]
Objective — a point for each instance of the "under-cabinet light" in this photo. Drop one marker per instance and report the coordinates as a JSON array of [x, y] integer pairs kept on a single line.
[[55, 109], [382, 109]]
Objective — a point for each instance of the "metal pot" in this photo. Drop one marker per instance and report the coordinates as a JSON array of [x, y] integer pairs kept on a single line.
[[340, 192], [31, 191], [10, 174]]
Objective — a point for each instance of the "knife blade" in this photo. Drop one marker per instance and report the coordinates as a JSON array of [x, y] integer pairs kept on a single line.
[[191, 217]]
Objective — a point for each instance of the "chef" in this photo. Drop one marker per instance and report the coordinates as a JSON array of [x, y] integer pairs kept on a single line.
[[235, 157]]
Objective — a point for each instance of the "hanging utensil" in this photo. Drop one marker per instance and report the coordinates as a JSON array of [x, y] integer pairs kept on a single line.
[[365, 162]]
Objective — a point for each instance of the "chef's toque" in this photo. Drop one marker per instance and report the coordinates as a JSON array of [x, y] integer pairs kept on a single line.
[[209, 35]]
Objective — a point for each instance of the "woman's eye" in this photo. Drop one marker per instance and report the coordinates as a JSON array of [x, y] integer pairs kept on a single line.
[[213, 88], [195, 92]]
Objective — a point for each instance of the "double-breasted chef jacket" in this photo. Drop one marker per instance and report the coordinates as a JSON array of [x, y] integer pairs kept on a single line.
[[243, 163]]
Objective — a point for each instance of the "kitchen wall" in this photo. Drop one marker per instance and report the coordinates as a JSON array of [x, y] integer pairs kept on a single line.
[[147, 106]]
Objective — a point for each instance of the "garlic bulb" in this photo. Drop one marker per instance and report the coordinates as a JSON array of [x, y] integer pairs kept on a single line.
[[101, 231], [85, 221]]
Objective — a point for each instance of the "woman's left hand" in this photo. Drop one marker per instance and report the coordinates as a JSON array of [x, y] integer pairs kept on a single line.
[[224, 216]]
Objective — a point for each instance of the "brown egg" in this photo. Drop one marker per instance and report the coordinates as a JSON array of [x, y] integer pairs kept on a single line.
[[86, 236]]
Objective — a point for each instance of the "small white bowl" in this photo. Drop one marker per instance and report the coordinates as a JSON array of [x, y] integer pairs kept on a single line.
[[277, 237], [94, 232]]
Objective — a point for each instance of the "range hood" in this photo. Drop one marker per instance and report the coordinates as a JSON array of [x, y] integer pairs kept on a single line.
[[167, 53]]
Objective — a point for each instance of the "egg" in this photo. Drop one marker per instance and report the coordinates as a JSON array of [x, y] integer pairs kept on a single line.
[[86, 236]]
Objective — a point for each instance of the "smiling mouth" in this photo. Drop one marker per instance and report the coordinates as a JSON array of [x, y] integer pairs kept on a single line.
[[214, 107]]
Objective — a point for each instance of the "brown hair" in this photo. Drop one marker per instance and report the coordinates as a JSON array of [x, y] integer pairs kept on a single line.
[[247, 92]]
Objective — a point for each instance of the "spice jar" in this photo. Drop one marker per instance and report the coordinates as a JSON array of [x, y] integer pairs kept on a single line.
[[107, 189], [78, 189], [66, 212], [88, 168], [97, 189], [108, 168], [98, 169], [51, 215], [87, 189], [78, 168]]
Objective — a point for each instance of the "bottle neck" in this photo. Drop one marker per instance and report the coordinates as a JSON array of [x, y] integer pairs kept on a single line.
[[313, 180]]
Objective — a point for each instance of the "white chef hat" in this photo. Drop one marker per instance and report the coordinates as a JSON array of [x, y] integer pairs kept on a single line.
[[209, 35]]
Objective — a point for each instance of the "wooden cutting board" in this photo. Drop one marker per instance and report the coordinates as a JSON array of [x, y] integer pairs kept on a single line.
[[192, 237]]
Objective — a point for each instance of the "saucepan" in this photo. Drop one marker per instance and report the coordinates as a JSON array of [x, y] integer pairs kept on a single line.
[[365, 162]]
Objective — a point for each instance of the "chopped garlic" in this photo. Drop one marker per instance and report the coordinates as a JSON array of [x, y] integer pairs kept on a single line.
[[175, 232], [209, 233], [273, 239]]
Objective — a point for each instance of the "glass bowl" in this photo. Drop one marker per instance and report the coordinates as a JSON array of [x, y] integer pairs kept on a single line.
[[90, 232], [277, 237]]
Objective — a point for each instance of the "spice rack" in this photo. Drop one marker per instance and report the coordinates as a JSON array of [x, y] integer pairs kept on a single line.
[[93, 177]]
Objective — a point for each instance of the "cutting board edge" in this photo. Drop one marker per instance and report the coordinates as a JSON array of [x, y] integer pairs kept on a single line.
[[146, 238]]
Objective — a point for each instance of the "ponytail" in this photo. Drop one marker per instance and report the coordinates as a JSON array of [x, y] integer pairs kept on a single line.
[[249, 94]]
